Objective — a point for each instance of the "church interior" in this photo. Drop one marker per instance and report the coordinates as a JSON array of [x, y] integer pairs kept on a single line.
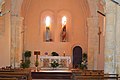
[[64, 38]]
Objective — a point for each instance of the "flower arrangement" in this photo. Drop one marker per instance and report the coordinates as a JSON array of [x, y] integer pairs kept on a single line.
[[54, 64], [83, 65]]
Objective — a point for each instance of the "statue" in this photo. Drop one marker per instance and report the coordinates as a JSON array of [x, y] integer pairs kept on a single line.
[[47, 34], [64, 34]]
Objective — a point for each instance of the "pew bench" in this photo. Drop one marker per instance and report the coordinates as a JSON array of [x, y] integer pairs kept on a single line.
[[8, 79], [111, 76], [88, 75], [16, 74]]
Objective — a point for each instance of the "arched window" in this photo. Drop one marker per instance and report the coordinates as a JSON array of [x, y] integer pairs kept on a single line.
[[64, 26], [48, 21], [47, 26], [64, 20]]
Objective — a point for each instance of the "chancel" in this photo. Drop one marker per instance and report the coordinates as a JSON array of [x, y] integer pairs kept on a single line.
[[59, 39]]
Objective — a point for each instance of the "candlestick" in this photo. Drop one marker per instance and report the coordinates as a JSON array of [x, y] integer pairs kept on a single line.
[[36, 61]]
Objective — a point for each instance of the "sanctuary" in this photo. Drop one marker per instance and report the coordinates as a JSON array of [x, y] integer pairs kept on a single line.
[[69, 39]]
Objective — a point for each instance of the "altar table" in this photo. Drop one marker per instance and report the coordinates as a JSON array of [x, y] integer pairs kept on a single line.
[[64, 61]]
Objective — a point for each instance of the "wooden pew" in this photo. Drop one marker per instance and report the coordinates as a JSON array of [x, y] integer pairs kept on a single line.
[[93, 75], [8, 79], [88, 75], [111, 76], [22, 74]]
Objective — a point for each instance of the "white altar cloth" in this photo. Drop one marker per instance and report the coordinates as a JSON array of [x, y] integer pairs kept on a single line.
[[64, 62]]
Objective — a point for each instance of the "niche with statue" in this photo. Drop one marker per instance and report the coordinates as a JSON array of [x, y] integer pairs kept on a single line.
[[64, 24], [63, 36], [55, 31]]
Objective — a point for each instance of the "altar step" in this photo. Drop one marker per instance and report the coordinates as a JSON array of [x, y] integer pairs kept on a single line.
[[51, 79], [52, 75]]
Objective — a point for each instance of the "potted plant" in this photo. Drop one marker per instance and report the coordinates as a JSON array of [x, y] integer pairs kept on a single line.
[[84, 60], [84, 56], [83, 64], [26, 61]]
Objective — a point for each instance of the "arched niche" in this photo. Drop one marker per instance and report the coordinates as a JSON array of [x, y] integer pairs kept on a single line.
[[42, 27], [60, 15]]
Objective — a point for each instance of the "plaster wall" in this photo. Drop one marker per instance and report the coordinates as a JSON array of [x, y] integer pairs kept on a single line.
[[32, 23], [5, 38], [77, 36], [77, 29], [33, 40]]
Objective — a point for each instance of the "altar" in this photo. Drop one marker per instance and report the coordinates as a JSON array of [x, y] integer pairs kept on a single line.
[[63, 61]]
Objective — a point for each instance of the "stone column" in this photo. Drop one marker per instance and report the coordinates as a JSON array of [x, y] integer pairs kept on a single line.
[[118, 40], [16, 40], [16, 33], [110, 38]]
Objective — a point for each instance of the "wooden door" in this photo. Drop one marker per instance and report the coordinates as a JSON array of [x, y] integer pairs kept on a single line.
[[77, 56]]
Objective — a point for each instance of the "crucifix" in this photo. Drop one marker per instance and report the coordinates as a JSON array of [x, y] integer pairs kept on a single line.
[[99, 33]]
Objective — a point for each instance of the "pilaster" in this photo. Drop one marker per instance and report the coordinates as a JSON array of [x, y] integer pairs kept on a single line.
[[110, 38], [92, 42], [118, 41], [16, 33], [16, 40]]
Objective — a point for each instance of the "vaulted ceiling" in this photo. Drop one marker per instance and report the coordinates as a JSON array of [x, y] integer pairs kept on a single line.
[[26, 7]]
